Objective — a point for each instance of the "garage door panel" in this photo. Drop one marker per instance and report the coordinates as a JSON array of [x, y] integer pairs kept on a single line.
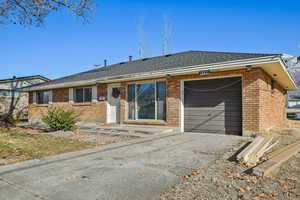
[[214, 109], [218, 100], [207, 108], [213, 102], [222, 123], [218, 118], [211, 112]]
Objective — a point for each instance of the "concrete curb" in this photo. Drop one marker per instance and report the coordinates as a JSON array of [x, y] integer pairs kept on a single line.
[[72, 155]]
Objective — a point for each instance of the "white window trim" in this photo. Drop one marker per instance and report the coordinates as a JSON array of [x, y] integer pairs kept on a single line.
[[50, 97], [71, 95], [94, 94], [83, 95], [35, 98]]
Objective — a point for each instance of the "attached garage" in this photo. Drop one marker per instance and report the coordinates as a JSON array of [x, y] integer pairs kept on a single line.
[[213, 106]]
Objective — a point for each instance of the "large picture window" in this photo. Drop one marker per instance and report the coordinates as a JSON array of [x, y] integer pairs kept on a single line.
[[82, 95], [147, 101], [42, 97]]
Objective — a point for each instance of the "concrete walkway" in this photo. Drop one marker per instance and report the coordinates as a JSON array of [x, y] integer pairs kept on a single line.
[[131, 170]]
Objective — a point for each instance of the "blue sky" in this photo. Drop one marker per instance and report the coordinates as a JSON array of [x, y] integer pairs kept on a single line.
[[65, 46]]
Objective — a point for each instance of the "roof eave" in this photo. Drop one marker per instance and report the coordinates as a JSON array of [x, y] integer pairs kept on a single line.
[[175, 71]]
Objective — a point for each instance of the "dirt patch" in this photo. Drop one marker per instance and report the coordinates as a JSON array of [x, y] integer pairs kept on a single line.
[[226, 179], [98, 138], [229, 180], [15, 146], [85, 136]]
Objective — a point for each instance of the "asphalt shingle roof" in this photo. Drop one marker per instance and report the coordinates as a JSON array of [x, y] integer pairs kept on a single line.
[[177, 60]]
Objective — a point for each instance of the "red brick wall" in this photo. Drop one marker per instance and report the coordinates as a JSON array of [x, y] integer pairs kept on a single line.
[[88, 112], [263, 107], [259, 102], [272, 102], [60, 95]]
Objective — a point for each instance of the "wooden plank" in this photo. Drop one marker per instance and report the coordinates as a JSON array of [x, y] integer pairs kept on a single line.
[[266, 168], [278, 151], [259, 151], [244, 155]]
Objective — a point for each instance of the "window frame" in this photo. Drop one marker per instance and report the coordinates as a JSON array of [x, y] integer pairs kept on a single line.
[[37, 98], [136, 96], [83, 95]]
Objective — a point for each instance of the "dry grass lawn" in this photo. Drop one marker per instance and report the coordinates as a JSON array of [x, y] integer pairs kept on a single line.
[[15, 146]]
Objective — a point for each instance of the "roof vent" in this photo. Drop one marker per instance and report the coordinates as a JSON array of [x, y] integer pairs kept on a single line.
[[130, 58], [168, 55], [121, 63], [145, 59]]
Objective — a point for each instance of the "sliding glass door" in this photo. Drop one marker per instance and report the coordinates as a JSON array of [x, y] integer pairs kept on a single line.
[[147, 101]]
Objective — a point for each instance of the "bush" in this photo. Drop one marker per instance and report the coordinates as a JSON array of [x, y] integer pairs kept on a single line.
[[60, 119], [13, 118]]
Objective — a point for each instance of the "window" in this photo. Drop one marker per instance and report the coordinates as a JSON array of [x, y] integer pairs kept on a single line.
[[82, 95], [131, 101], [8, 93], [42, 97], [161, 100], [147, 101]]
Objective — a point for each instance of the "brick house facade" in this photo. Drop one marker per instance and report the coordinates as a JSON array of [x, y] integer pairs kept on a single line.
[[255, 103], [260, 101]]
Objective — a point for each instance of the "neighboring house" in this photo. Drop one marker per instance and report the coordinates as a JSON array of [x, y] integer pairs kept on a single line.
[[196, 91], [293, 66], [11, 97], [293, 99]]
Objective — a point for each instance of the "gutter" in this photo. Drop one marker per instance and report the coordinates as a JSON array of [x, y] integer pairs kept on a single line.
[[284, 66], [161, 73]]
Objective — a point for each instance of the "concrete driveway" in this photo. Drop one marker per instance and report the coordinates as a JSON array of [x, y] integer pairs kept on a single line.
[[132, 170]]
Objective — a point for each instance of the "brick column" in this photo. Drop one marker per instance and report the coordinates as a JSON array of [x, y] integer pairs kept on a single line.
[[251, 116], [173, 102], [123, 103]]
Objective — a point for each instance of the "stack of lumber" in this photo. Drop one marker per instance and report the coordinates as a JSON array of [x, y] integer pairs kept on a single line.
[[252, 154], [276, 159]]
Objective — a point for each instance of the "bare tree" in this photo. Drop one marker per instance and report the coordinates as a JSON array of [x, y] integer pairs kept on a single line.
[[13, 110], [33, 12], [166, 34]]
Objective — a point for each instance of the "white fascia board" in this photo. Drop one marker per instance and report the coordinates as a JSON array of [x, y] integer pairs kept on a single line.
[[61, 85], [191, 69], [283, 65], [173, 71]]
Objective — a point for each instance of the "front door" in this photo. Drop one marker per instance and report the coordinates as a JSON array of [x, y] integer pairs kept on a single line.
[[114, 104]]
